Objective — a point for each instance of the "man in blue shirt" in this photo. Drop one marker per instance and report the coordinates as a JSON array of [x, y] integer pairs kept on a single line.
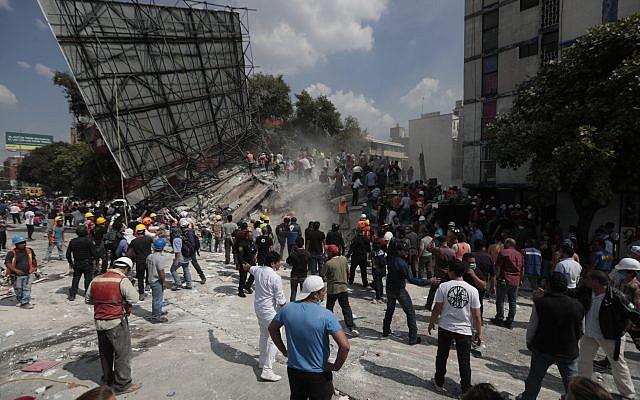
[[601, 259], [309, 326], [397, 276]]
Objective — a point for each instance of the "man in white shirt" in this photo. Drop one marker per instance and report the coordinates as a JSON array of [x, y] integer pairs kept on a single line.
[[268, 299], [29, 217], [14, 210], [458, 309], [568, 267], [357, 184]]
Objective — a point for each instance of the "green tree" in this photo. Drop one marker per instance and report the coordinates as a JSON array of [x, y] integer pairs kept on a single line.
[[270, 95], [306, 109], [77, 106], [318, 115], [351, 138], [327, 117], [577, 122]]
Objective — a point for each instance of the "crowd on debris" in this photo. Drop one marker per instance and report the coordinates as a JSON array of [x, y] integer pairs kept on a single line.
[[465, 248]]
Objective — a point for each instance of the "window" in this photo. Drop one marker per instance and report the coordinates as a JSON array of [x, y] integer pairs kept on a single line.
[[550, 42], [490, 39], [487, 3], [528, 49], [490, 20], [525, 4], [490, 84], [609, 11], [490, 64], [489, 109]]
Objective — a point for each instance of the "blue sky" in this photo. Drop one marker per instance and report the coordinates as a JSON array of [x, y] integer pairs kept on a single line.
[[375, 59]]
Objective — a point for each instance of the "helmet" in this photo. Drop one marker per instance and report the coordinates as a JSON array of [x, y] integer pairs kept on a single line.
[[101, 220], [58, 218], [153, 215], [628, 264], [123, 262], [363, 216], [82, 230], [147, 221], [88, 215], [159, 243], [140, 228], [218, 217], [184, 223], [265, 218], [18, 240], [388, 236]]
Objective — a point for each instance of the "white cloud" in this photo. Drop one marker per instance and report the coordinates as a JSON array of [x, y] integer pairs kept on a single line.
[[5, 5], [24, 64], [291, 35], [7, 97], [43, 70], [40, 24], [427, 96], [347, 103]]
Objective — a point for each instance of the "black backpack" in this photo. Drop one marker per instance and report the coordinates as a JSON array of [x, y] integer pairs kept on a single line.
[[188, 248], [618, 312]]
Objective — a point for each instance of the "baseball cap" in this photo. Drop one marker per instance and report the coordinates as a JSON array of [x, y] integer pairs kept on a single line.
[[332, 248], [310, 285]]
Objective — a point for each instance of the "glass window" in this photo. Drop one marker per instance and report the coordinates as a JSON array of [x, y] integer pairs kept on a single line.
[[489, 64], [489, 109], [487, 3], [528, 49], [525, 4], [550, 41], [490, 39], [490, 20], [490, 84]]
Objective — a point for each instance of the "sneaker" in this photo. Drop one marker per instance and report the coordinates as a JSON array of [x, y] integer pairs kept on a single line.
[[142, 296], [508, 324], [71, 298], [164, 312], [159, 320], [28, 306], [353, 332], [203, 280], [175, 288], [248, 290], [418, 341], [19, 304], [129, 389], [269, 375], [439, 388], [188, 287], [497, 322], [374, 301], [241, 294]]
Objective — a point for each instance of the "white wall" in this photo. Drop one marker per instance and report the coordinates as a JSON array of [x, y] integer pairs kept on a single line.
[[433, 134]]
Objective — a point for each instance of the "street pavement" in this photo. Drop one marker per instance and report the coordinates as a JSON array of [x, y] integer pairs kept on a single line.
[[209, 349]]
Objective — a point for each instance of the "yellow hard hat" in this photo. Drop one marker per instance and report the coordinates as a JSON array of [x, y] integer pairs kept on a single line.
[[140, 228], [153, 215], [88, 215], [58, 218], [265, 218], [218, 217], [101, 220]]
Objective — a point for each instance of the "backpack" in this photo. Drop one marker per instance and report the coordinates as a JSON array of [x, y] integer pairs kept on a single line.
[[188, 248], [112, 240], [619, 311]]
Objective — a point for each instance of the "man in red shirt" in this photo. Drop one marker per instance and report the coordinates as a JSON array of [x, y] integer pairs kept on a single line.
[[509, 270]]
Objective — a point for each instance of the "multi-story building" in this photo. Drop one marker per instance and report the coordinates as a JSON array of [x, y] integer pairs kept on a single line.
[[386, 149], [437, 136], [505, 42]]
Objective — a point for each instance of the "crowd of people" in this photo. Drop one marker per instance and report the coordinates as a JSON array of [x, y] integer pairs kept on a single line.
[[404, 233]]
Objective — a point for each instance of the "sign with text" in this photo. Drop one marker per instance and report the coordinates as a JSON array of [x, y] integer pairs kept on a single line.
[[26, 141]]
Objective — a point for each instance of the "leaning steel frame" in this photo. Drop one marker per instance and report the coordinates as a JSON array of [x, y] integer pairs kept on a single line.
[[167, 86]]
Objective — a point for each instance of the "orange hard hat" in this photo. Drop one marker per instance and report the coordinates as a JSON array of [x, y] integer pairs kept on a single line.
[[147, 221]]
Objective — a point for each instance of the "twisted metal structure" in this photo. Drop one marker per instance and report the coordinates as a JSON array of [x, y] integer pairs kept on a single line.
[[165, 84]]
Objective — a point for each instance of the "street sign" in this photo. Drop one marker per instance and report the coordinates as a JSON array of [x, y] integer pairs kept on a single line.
[[26, 141]]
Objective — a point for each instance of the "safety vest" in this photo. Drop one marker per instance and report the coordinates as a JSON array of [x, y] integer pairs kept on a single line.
[[342, 207], [29, 259], [463, 248], [108, 303]]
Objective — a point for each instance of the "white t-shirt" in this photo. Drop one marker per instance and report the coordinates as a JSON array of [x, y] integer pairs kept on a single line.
[[424, 245], [458, 298], [28, 217], [571, 270], [14, 210], [357, 184], [592, 319], [268, 294]]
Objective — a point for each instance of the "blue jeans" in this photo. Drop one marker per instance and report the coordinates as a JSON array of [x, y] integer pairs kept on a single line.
[[176, 277], [23, 288], [540, 363], [503, 291], [156, 300], [315, 263]]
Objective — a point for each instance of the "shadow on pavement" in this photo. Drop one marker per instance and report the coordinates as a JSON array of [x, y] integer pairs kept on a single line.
[[232, 355], [86, 367], [227, 289]]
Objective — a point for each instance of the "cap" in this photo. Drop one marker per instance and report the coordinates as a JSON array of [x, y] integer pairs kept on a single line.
[[567, 242], [363, 216], [123, 262], [422, 218], [159, 243], [18, 240], [332, 248], [628, 264], [310, 285], [388, 236], [101, 220], [635, 250], [88, 215], [451, 223]]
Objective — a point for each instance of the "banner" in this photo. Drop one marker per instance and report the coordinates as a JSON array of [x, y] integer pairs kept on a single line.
[[26, 141]]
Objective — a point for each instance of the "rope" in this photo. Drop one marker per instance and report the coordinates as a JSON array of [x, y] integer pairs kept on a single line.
[[41, 378]]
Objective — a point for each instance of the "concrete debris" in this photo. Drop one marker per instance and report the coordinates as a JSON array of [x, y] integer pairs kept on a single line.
[[42, 389], [10, 333]]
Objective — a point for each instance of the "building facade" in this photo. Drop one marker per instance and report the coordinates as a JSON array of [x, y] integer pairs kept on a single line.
[[505, 42], [437, 136], [386, 149]]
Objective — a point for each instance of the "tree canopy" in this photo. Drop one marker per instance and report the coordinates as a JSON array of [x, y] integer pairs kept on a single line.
[[578, 120], [77, 106], [270, 94]]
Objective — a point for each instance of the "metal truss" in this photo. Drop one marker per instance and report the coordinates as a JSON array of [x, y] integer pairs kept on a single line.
[[166, 85]]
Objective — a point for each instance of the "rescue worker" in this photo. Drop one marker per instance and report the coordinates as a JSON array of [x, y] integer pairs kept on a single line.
[[281, 234], [89, 222], [358, 252], [99, 231], [55, 234], [21, 263], [138, 250], [112, 295], [81, 255], [217, 234], [245, 253]]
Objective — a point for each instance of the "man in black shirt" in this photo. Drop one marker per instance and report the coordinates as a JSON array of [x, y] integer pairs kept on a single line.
[[139, 250], [264, 244], [299, 261], [315, 244], [358, 252], [82, 256], [484, 262], [335, 237]]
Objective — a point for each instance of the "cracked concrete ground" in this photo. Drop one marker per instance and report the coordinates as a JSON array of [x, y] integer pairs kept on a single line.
[[209, 349]]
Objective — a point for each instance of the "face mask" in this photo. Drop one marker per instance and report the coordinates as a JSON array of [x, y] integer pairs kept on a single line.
[[472, 266]]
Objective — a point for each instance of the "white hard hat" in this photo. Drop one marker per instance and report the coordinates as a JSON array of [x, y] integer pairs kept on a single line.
[[123, 262], [452, 223], [422, 218], [184, 214], [628, 264], [310, 285], [363, 216], [184, 223], [388, 236]]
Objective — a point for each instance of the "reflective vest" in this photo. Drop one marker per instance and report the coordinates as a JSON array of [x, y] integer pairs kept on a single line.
[[108, 302], [342, 207], [29, 259]]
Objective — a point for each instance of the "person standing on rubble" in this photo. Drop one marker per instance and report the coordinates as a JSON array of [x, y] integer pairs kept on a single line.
[[82, 256], [293, 233], [281, 234], [245, 254], [139, 250], [217, 234], [21, 262], [112, 295], [228, 230], [189, 234]]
